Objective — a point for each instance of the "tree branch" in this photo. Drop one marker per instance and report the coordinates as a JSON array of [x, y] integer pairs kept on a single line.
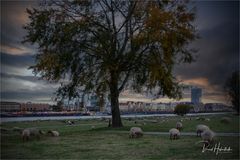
[[124, 81]]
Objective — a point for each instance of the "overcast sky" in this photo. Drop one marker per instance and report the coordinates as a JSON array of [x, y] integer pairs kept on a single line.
[[217, 56]]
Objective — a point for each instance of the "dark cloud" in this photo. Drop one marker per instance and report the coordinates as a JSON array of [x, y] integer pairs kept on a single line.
[[25, 78], [21, 61], [218, 46], [218, 56], [13, 17], [27, 96], [26, 88]]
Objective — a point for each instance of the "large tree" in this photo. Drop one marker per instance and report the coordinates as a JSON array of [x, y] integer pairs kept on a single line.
[[232, 89], [104, 46]]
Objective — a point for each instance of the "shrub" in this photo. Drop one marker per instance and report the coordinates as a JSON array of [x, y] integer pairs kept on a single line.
[[182, 109]]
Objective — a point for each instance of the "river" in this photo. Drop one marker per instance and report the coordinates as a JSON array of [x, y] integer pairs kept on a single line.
[[19, 119]]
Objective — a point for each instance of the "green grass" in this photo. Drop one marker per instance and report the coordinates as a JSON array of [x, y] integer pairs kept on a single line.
[[82, 142]]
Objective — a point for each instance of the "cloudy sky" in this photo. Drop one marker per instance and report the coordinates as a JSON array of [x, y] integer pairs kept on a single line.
[[217, 57]]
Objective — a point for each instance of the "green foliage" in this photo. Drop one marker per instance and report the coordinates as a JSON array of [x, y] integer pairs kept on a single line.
[[182, 109], [232, 89]]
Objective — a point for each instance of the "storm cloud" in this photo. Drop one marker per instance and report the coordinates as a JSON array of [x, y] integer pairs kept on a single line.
[[217, 57]]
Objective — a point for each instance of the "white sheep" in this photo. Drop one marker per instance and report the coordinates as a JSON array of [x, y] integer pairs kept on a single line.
[[135, 132], [207, 119], [53, 133], [200, 128], [70, 122], [174, 133], [208, 136], [179, 126], [28, 132]]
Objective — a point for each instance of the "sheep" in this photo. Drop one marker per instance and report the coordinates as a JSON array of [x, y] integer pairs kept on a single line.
[[208, 136], [226, 120], [174, 133], [200, 118], [53, 133], [200, 128], [179, 126], [70, 122], [135, 132], [92, 127], [28, 132], [207, 119]]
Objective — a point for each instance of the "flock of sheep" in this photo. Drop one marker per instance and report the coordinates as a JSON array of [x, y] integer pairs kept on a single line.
[[202, 130], [35, 132]]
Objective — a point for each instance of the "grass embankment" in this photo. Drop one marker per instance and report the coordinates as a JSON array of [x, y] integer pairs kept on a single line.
[[80, 141]]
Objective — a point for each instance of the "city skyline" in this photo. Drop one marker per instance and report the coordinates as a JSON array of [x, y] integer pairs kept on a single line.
[[217, 56]]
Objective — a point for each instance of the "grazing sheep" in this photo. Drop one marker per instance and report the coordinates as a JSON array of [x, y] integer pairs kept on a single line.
[[207, 119], [226, 120], [28, 132], [201, 128], [53, 133], [93, 127], [208, 136], [152, 121], [200, 118], [70, 122], [174, 133], [135, 132], [179, 126]]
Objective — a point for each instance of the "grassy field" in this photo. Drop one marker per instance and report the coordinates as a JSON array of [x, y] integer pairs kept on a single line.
[[83, 141]]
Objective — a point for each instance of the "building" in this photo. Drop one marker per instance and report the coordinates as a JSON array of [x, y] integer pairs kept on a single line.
[[34, 107], [123, 106], [10, 107], [196, 95]]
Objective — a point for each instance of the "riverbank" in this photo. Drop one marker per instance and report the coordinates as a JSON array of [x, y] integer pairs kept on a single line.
[[41, 118]]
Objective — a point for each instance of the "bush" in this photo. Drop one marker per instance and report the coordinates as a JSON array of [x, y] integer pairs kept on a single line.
[[182, 109]]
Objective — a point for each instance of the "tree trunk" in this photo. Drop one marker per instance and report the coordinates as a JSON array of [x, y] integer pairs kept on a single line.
[[114, 93]]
